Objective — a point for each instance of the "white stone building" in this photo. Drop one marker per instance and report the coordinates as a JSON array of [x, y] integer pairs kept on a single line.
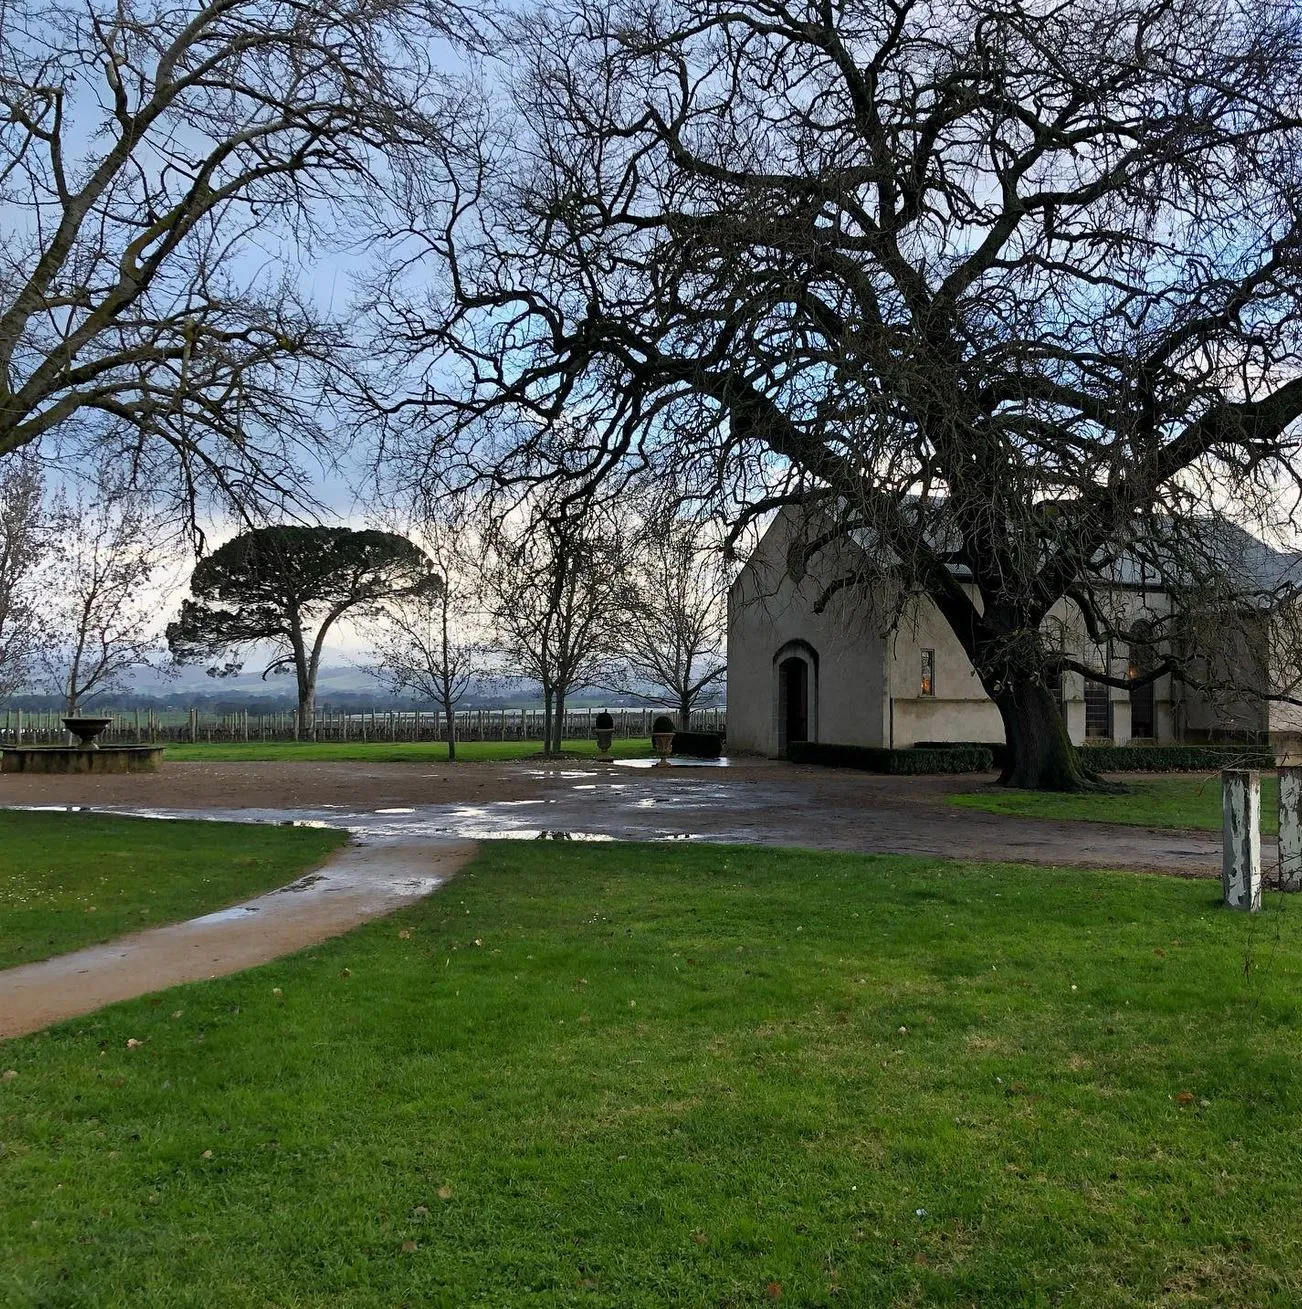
[[795, 673]]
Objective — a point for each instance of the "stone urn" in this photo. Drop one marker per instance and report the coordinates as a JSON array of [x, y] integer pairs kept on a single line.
[[662, 739], [603, 728], [86, 730]]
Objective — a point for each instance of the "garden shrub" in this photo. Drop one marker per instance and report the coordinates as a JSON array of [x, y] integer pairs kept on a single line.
[[699, 745], [903, 762], [1174, 758]]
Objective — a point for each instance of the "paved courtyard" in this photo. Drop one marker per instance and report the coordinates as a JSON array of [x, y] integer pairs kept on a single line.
[[755, 801]]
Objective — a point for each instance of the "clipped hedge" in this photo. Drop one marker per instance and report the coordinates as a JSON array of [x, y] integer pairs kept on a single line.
[[1174, 758], [904, 762], [1139, 758], [998, 749], [699, 745]]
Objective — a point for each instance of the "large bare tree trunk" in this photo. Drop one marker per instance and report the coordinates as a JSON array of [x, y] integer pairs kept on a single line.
[[558, 724], [547, 721], [1041, 756], [306, 725], [449, 712]]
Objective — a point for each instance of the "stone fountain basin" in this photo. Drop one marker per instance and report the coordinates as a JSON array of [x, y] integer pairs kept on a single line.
[[73, 759]]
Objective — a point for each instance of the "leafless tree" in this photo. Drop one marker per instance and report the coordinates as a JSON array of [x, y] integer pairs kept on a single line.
[[21, 540], [155, 162], [553, 575], [1010, 291], [430, 643], [677, 621], [101, 587]]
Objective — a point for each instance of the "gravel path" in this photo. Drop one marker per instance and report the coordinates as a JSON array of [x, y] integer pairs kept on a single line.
[[756, 801]]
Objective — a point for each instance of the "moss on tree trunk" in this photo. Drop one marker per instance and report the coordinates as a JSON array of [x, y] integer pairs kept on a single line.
[[1041, 756]]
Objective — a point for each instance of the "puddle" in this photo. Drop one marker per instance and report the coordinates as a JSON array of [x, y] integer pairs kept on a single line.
[[722, 762], [522, 834], [314, 822], [394, 811]]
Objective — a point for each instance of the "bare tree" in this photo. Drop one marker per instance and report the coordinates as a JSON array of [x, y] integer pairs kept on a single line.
[[21, 539], [677, 622], [1010, 292], [152, 158], [554, 577], [427, 643], [100, 588]]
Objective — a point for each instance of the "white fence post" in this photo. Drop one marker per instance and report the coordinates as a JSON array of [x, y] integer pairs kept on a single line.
[[1241, 856], [1290, 828]]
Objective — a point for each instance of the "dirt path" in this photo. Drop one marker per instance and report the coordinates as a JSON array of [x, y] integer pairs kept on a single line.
[[356, 884]]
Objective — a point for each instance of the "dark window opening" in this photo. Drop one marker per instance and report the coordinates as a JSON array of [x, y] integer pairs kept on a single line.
[[927, 683]]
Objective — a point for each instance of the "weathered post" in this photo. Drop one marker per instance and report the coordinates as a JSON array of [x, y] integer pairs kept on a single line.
[[1241, 856], [1290, 828]]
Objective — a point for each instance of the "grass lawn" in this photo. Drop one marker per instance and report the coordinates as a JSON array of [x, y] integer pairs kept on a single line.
[[387, 752], [68, 880], [637, 1076], [1192, 801]]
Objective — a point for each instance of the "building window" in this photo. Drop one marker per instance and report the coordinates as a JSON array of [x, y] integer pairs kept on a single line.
[[1098, 710], [927, 683]]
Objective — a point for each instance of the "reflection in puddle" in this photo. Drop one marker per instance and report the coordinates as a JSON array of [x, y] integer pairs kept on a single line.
[[722, 762], [524, 834], [395, 811]]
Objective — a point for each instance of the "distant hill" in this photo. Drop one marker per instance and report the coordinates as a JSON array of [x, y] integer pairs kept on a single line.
[[339, 687]]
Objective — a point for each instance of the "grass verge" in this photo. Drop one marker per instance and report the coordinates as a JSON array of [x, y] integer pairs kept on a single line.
[[69, 880], [643, 1076], [387, 752], [1186, 801]]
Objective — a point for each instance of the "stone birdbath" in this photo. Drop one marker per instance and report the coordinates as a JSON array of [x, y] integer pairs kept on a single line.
[[86, 730], [662, 739], [604, 730]]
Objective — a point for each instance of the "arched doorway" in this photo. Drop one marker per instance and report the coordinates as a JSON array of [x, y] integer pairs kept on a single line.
[[793, 701], [795, 694]]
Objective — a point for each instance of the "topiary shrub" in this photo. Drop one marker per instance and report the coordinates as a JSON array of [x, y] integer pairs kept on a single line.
[[603, 723], [662, 723]]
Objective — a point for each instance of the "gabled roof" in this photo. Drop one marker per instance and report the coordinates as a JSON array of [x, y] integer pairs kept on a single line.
[[1190, 553]]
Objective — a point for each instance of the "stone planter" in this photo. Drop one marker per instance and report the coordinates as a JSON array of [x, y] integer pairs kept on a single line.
[[662, 739], [604, 730], [86, 730]]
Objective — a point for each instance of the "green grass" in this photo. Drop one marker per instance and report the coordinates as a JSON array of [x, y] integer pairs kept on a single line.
[[1187, 801], [68, 880], [634, 1077], [386, 752]]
